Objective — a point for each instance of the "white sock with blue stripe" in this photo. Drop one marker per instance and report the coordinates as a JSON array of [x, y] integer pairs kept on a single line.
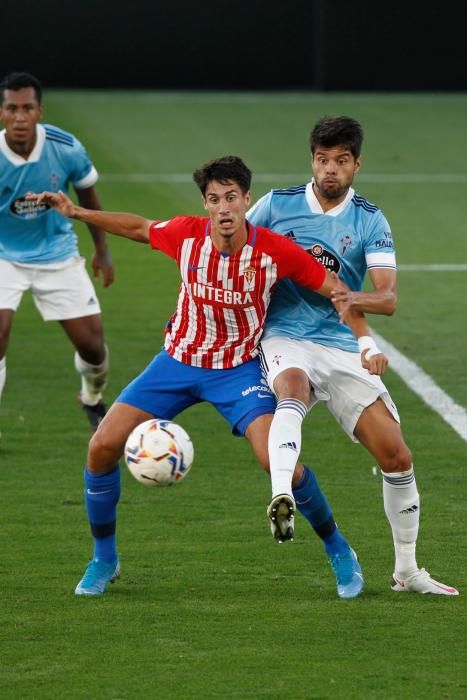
[[402, 508], [284, 443]]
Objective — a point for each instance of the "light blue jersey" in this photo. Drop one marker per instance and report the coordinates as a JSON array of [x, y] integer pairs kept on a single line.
[[32, 234], [349, 239]]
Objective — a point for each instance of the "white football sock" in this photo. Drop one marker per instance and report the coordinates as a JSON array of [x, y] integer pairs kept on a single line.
[[2, 374], [93, 378], [284, 443], [402, 507]]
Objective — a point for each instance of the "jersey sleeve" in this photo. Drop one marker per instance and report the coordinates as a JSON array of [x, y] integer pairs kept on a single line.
[[260, 213], [167, 236], [83, 174], [379, 244], [298, 265]]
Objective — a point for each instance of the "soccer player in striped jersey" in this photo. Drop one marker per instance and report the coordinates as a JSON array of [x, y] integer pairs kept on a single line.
[[229, 270], [309, 356], [38, 247]]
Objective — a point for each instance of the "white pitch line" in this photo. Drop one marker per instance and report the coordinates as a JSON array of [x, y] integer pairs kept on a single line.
[[300, 178], [436, 267], [424, 386]]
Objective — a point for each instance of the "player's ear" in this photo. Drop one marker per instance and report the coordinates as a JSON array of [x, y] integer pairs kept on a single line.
[[248, 198], [205, 203], [358, 164]]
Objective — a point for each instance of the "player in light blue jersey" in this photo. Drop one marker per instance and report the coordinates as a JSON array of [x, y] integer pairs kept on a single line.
[[309, 356], [38, 246]]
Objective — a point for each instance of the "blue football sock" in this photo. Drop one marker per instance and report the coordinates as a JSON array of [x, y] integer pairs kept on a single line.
[[312, 504], [101, 493]]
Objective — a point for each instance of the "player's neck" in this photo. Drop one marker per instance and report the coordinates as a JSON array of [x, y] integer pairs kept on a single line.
[[22, 148], [230, 243], [327, 204]]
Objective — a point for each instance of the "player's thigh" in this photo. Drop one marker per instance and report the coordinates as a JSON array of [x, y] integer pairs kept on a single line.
[[14, 281], [6, 322], [65, 293], [288, 365], [107, 444], [348, 389], [239, 394], [164, 388]]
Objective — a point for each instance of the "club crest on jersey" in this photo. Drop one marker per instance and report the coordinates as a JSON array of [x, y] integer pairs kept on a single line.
[[249, 274], [22, 208], [54, 180], [347, 242], [325, 257]]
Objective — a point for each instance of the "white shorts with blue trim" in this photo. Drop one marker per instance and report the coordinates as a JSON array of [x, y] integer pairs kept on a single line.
[[60, 290], [336, 376]]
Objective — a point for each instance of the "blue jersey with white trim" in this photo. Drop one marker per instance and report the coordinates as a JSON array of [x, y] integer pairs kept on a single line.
[[36, 234], [351, 238]]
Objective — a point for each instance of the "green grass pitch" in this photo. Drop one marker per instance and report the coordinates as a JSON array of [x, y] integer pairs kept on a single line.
[[208, 606]]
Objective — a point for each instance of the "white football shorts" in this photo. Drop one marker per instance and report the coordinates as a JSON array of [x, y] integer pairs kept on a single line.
[[336, 376], [60, 291]]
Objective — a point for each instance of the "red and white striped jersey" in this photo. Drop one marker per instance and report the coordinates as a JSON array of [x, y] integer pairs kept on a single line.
[[223, 298]]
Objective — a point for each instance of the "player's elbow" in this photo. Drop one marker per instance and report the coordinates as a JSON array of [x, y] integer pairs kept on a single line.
[[391, 304], [141, 233]]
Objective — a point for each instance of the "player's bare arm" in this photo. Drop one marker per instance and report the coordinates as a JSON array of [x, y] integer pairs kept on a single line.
[[382, 299], [101, 261], [118, 223]]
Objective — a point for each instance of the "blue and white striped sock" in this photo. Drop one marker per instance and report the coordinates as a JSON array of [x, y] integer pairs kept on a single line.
[[284, 443], [402, 508]]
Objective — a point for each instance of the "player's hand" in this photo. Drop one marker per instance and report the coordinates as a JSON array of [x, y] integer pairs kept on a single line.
[[102, 264], [342, 297], [376, 364], [56, 200], [339, 297]]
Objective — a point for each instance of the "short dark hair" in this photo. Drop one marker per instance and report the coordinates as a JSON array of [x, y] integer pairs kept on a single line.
[[223, 170], [329, 132], [18, 81]]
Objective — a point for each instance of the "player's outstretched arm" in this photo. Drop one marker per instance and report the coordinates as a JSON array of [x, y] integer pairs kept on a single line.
[[120, 224]]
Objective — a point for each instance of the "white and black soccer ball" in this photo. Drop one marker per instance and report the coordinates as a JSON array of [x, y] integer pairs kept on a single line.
[[159, 453]]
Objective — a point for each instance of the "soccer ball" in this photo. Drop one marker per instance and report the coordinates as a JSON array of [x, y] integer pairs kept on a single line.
[[159, 453]]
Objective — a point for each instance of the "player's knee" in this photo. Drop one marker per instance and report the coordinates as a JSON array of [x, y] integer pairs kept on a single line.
[[398, 459], [293, 384], [103, 453]]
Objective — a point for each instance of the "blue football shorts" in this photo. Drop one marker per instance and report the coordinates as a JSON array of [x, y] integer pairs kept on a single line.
[[167, 387]]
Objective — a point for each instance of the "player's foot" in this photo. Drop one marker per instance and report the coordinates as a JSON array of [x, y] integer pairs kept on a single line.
[[421, 582], [281, 514], [349, 577], [94, 413], [96, 577]]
